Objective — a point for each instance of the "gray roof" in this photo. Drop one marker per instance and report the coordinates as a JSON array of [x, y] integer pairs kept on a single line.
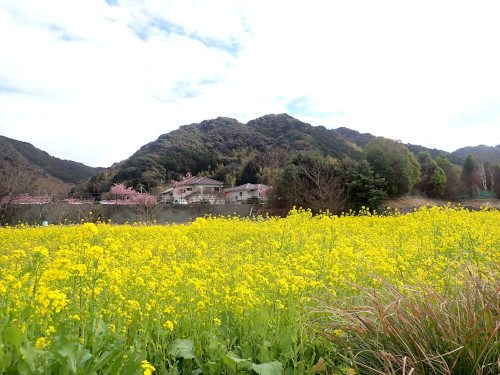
[[248, 187], [200, 181]]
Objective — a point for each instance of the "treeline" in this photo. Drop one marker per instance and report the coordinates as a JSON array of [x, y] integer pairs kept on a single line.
[[309, 178], [386, 169]]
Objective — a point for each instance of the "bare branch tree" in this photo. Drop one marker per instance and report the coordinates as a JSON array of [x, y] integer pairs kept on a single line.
[[13, 182], [482, 176]]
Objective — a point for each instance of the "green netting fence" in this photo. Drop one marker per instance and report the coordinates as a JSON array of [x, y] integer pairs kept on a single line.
[[486, 194], [478, 194]]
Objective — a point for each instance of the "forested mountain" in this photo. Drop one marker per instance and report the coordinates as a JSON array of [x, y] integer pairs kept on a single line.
[[256, 152], [25, 156], [287, 132], [361, 139], [18, 176], [481, 153], [353, 136], [224, 149], [273, 150]]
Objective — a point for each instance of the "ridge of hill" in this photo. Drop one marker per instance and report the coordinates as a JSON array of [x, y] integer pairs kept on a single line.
[[481, 153], [223, 149], [25, 156], [233, 152]]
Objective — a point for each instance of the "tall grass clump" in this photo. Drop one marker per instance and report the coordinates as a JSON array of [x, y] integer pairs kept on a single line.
[[419, 329]]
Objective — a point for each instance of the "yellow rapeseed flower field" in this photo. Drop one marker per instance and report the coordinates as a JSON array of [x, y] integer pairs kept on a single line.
[[214, 294]]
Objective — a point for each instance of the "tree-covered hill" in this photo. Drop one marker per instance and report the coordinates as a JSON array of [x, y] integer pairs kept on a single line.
[[224, 149], [24, 155], [308, 166], [18, 175], [353, 136], [288, 132], [481, 153], [235, 153]]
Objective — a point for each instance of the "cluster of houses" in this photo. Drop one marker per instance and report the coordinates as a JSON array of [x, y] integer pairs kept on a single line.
[[188, 191], [202, 189]]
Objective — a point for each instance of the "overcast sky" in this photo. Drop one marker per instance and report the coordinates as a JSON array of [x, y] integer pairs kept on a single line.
[[92, 81]]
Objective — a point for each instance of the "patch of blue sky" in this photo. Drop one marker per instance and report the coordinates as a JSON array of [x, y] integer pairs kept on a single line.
[[67, 37], [112, 3], [238, 115], [10, 90], [181, 90], [184, 90], [489, 113], [62, 34], [210, 81], [301, 107], [233, 47], [157, 97]]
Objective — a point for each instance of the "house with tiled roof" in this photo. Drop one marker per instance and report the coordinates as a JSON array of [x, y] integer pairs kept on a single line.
[[240, 194], [194, 190]]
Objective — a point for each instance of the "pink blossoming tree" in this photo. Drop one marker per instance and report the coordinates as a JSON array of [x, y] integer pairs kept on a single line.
[[127, 195]]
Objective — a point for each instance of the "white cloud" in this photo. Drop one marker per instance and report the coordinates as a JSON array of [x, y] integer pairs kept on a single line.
[[91, 82]]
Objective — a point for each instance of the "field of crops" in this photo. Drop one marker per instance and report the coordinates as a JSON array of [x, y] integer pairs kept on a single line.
[[219, 295]]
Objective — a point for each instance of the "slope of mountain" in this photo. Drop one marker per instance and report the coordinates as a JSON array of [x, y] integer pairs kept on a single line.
[[19, 176], [233, 152], [24, 154], [284, 130], [361, 139], [482, 153], [349, 135], [221, 148]]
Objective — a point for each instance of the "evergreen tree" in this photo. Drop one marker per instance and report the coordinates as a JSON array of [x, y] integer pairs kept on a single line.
[[470, 174], [365, 188], [393, 161], [452, 173], [496, 179], [432, 177]]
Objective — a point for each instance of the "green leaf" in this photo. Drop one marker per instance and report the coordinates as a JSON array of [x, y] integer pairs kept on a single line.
[[132, 365], [285, 340], [182, 348], [76, 354], [104, 359], [236, 363], [14, 336], [5, 360], [29, 356], [117, 363], [98, 336], [213, 367], [269, 368]]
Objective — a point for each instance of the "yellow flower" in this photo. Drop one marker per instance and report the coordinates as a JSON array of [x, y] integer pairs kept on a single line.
[[169, 325], [40, 343], [137, 277], [148, 368]]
